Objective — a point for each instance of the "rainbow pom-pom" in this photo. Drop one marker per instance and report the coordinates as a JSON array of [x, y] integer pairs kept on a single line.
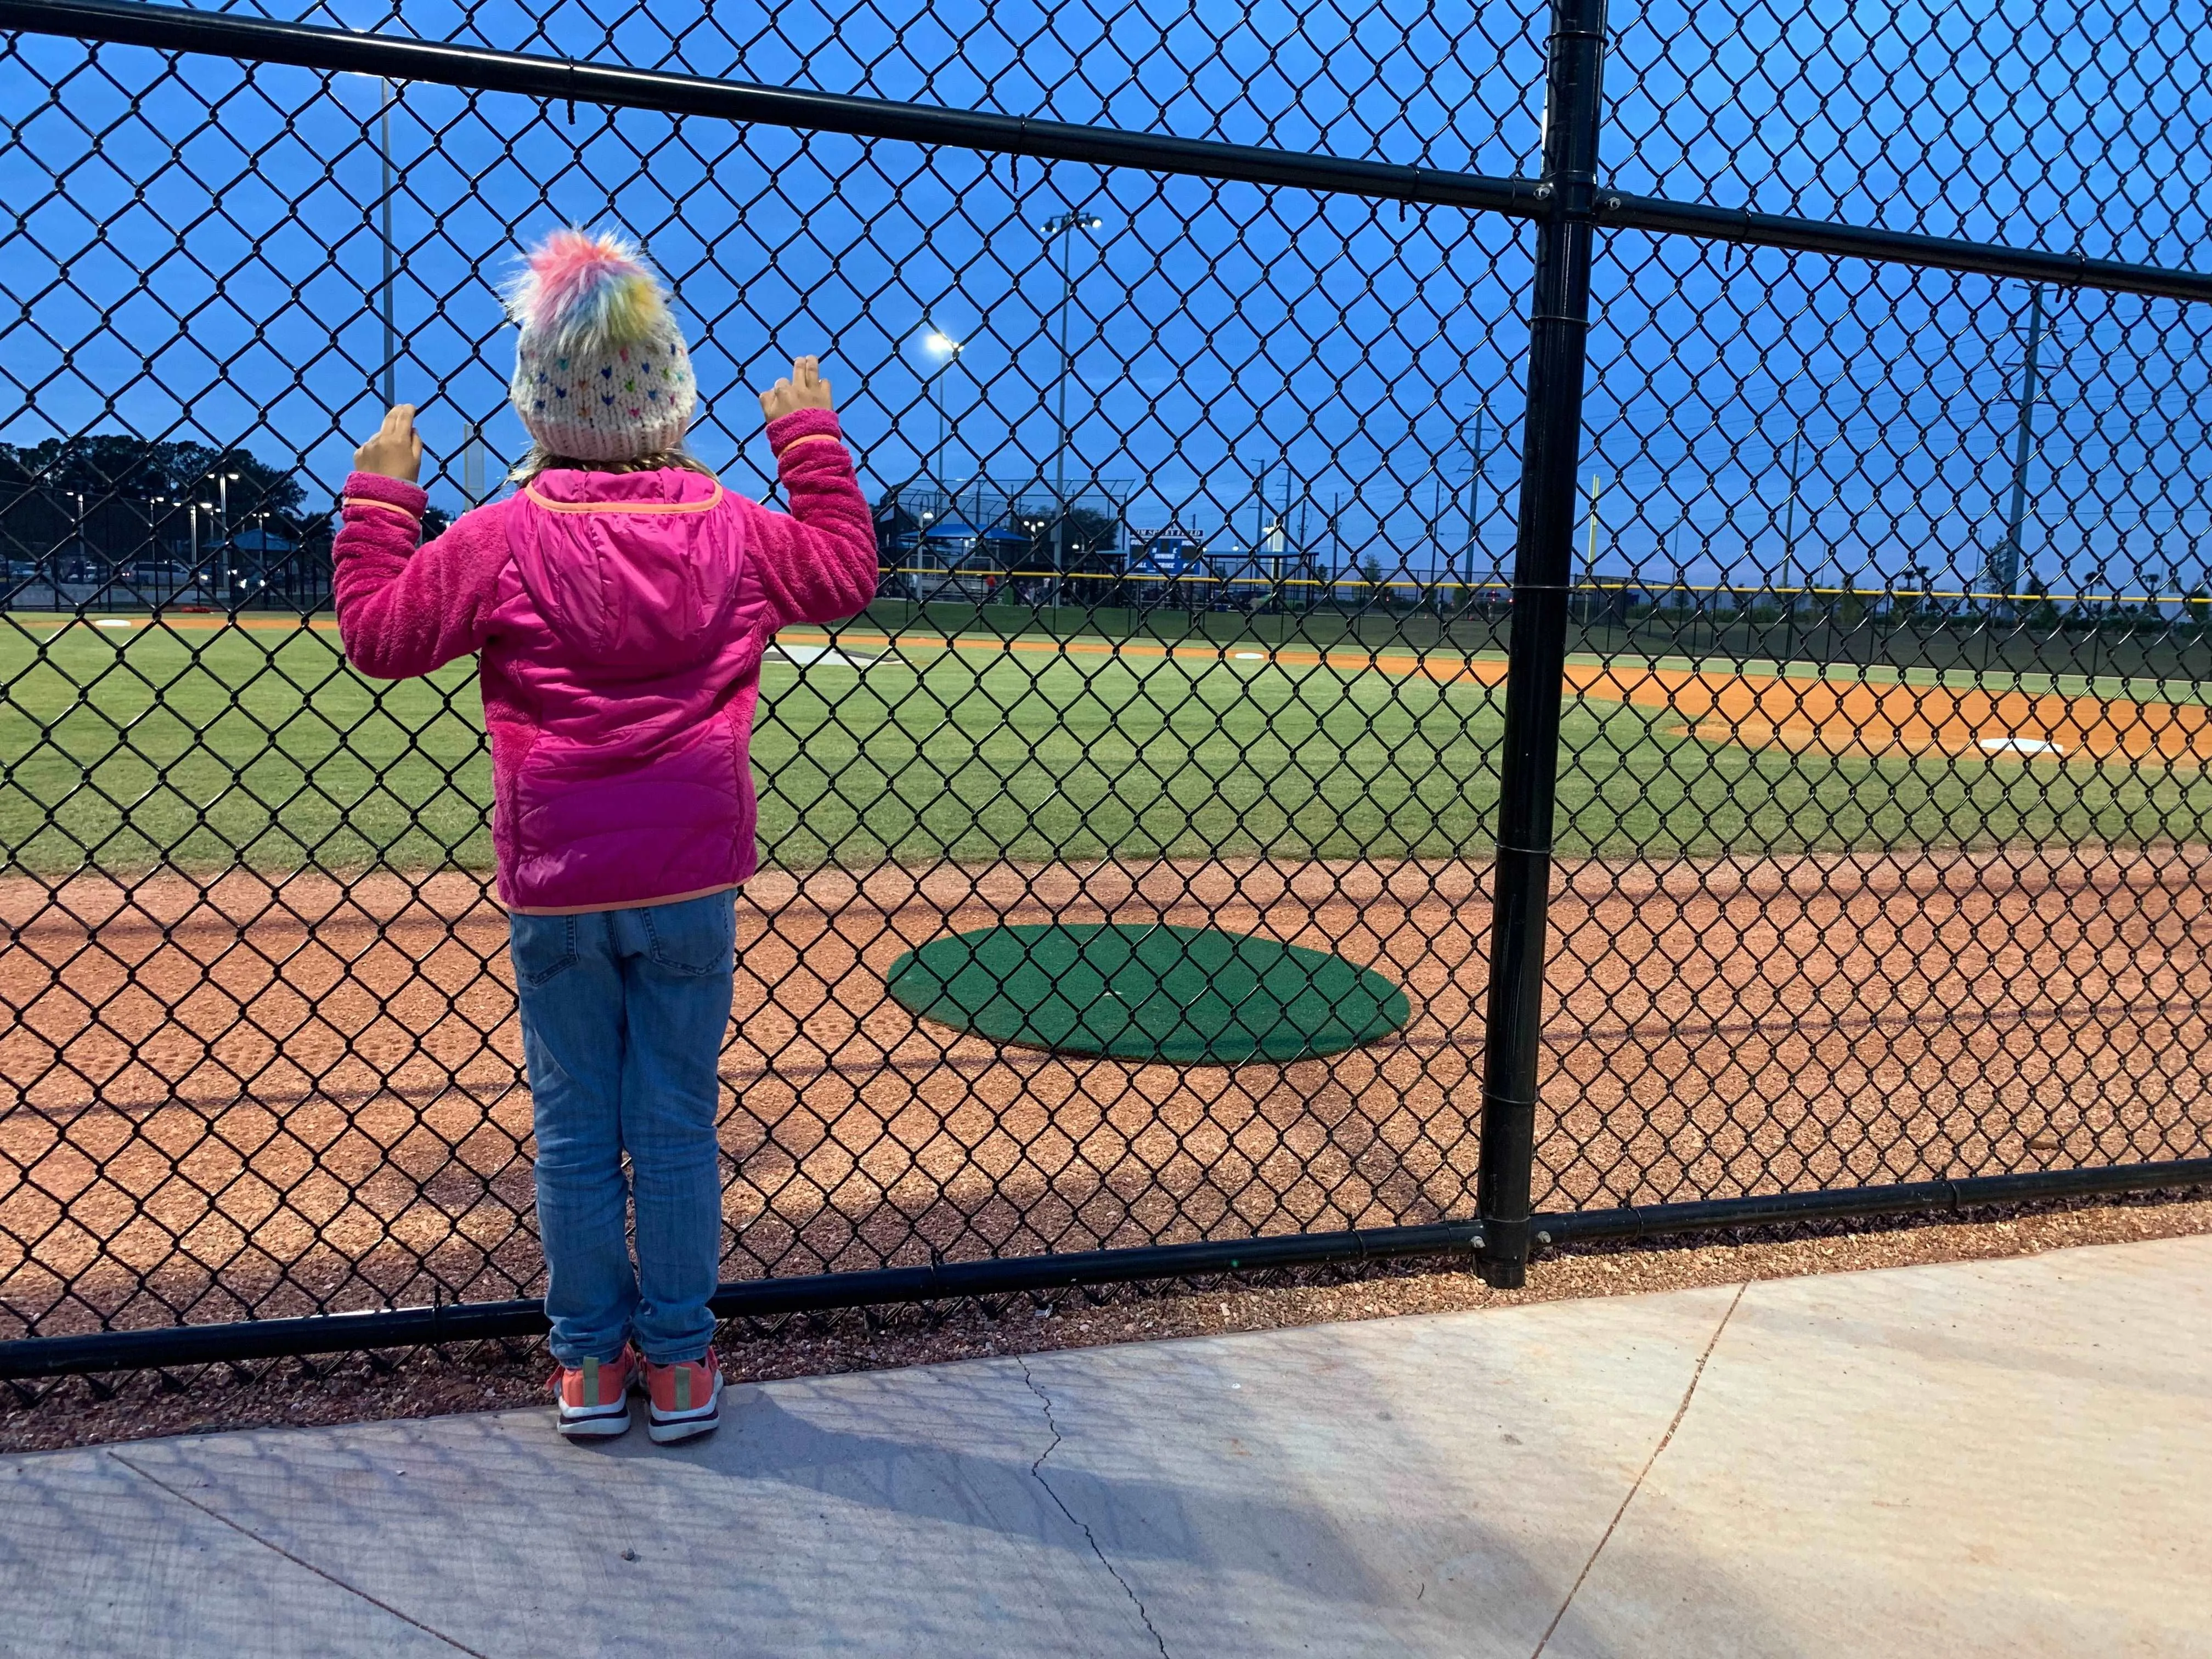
[[586, 295], [597, 328]]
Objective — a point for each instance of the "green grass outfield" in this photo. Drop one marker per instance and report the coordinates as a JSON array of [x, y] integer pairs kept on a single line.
[[129, 748]]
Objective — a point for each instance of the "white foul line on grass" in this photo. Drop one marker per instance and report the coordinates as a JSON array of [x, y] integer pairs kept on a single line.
[[819, 656]]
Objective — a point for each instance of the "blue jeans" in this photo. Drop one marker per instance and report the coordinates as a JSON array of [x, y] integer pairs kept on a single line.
[[623, 1018]]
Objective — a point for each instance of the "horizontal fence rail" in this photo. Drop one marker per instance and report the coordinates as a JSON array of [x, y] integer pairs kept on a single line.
[[269, 1338], [1804, 820], [231, 34]]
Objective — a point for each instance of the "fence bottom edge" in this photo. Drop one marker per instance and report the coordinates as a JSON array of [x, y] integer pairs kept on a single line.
[[348, 1333], [1867, 1203]]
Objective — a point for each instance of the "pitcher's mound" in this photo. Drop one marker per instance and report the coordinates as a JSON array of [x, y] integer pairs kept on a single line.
[[1148, 991]]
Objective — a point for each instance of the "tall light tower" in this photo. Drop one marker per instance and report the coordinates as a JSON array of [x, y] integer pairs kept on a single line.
[[386, 383], [1061, 228], [228, 583], [391, 335], [947, 351]]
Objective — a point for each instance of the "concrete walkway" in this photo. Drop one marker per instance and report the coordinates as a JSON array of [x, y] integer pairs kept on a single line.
[[2005, 1458]]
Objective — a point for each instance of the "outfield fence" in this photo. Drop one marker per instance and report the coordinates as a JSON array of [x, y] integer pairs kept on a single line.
[[1706, 705]]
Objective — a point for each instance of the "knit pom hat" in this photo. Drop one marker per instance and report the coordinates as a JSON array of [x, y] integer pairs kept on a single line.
[[600, 372]]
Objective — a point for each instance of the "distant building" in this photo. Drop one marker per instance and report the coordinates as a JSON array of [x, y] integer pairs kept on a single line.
[[987, 539], [261, 563], [1168, 567]]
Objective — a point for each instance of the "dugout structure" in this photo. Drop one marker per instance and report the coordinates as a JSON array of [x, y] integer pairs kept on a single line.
[[1702, 709]]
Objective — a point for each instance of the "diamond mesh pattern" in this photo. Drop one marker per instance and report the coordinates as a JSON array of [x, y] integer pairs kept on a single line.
[[1230, 655], [2062, 128], [1945, 802]]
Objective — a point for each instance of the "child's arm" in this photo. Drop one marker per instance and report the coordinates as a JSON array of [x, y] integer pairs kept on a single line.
[[404, 610], [818, 563]]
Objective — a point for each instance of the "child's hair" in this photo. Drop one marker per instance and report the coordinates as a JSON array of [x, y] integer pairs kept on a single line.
[[542, 460]]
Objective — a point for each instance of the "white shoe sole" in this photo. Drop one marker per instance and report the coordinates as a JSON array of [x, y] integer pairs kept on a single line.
[[702, 1420], [597, 1426]]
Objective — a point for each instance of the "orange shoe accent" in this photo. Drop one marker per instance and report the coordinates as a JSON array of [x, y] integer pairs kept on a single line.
[[685, 1399], [593, 1398]]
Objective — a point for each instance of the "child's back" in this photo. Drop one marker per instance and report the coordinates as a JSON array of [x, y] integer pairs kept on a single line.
[[622, 618]]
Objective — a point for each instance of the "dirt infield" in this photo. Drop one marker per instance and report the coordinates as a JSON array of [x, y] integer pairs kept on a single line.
[[237, 1095], [1853, 716], [1795, 712], [1864, 717]]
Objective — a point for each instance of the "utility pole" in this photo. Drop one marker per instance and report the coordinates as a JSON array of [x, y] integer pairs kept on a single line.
[[1589, 563], [1474, 499], [1335, 541], [1790, 518], [1440, 587], [2007, 565]]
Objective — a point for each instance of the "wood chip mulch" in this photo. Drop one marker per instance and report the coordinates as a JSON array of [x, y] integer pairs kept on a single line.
[[46, 1415]]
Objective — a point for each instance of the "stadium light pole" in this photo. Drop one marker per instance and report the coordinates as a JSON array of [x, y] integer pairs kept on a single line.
[[385, 97], [1061, 227], [946, 347], [391, 335], [229, 582], [1590, 559]]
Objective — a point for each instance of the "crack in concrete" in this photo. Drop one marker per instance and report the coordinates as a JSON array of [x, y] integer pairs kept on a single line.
[[305, 1565], [1681, 1411], [1036, 1473]]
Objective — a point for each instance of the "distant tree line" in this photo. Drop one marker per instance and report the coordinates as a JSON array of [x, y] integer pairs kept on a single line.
[[112, 518]]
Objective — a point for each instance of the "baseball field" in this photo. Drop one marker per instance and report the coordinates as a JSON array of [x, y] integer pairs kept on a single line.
[[257, 1042], [197, 747]]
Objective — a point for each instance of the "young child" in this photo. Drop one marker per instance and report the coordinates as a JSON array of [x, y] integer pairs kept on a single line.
[[621, 600]]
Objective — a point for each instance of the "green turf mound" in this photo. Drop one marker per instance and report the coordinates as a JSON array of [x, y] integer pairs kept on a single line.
[[1147, 991]]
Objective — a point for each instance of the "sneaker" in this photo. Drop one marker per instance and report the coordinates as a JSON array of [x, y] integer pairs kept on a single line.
[[594, 1396], [685, 1399]]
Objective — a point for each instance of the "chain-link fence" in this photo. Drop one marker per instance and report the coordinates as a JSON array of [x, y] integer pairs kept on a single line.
[[1739, 680]]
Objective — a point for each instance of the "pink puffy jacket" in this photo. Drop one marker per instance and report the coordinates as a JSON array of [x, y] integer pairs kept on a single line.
[[622, 619]]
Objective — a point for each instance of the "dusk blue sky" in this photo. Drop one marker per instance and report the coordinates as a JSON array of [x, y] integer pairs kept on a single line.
[[197, 256]]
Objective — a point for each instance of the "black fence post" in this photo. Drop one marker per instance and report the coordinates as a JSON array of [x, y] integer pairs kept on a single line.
[[1559, 326]]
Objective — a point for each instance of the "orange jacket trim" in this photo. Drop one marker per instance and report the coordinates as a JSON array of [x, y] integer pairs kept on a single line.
[[389, 507], [551, 505]]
